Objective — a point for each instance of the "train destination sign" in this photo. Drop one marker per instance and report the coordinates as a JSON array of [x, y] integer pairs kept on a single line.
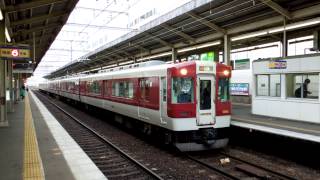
[[11, 52]]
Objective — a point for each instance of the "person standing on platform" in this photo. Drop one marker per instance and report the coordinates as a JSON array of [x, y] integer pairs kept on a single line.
[[22, 92]]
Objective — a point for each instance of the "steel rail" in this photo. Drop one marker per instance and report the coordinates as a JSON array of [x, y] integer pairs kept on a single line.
[[281, 175], [150, 172]]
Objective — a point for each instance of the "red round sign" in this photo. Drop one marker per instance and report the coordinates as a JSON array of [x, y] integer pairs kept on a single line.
[[15, 52]]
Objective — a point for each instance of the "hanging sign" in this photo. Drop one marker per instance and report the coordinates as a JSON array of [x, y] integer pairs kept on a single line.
[[11, 52], [209, 56], [242, 64], [278, 64]]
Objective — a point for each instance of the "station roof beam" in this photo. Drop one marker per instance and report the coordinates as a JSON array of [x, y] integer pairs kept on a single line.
[[207, 23], [178, 32], [163, 42], [30, 5], [277, 8], [101, 27], [37, 29]]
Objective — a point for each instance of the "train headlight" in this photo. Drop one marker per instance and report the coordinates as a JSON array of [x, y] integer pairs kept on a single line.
[[226, 72], [183, 71]]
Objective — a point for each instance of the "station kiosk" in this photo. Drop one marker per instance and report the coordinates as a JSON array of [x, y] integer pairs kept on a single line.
[[287, 88]]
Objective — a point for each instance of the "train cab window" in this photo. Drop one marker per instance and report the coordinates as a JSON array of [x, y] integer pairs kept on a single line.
[[182, 90], [223, 91], [303, 86], [205, 94]]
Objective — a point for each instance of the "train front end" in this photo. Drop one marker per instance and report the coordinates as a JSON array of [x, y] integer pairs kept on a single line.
[[199, 102]]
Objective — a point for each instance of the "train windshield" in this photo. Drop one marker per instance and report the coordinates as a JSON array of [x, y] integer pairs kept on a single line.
[[223, 91], [182, 90]]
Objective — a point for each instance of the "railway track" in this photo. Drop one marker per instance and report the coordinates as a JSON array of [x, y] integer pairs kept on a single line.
[[236, 168], [170, 164], [110, 159]]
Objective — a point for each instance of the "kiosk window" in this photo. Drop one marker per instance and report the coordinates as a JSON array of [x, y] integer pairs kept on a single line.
[[303, 85], [262, 85], [275, 85], [269, 85]]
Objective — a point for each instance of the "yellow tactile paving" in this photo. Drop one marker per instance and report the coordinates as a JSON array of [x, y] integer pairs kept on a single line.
[[32, 164]]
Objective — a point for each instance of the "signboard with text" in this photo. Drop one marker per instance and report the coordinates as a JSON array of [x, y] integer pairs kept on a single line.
[[239, 89], [12, 52], [278, 64], [242, 64]]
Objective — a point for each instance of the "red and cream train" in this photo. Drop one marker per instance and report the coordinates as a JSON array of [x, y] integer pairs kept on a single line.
[[188, 102]]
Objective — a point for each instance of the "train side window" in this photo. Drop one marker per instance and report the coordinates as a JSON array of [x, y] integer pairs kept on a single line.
[[223, 91], [145, 88], [164, 89], [130, 89], [115, 88], [122, 87], [105, 87]]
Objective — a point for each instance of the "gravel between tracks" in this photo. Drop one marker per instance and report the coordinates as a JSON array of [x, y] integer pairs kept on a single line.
[[170, 163]]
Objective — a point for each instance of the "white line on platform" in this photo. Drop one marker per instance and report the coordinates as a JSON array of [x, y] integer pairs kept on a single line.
[[80, 164], [282, 132]]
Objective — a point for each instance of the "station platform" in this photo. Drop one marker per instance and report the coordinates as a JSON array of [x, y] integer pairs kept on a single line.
[[242, 117], [35, 146]]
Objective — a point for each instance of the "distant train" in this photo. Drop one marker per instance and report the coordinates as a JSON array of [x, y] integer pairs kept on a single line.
[[188, 102]]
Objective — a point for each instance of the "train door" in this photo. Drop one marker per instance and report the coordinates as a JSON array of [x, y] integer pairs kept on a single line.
[[205, 103], [163, 100]]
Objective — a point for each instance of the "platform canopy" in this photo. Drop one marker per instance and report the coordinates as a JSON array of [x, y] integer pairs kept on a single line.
[[201, 22], [35, 22]]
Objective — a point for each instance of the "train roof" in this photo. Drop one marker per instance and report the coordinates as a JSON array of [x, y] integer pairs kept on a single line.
[[153, 67]]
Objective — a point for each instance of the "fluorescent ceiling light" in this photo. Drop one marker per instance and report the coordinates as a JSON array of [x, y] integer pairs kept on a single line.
[[296, 25], [250, 35], [125, 63], [155, 56], [278, 29], [7, 34], [1, 15], [109, 66], [199, 46]]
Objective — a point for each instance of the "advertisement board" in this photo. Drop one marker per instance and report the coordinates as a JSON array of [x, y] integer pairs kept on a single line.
[[239, 89]]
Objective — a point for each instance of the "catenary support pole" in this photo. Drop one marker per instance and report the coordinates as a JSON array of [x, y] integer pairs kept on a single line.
[[3, 103], [227, 50]]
